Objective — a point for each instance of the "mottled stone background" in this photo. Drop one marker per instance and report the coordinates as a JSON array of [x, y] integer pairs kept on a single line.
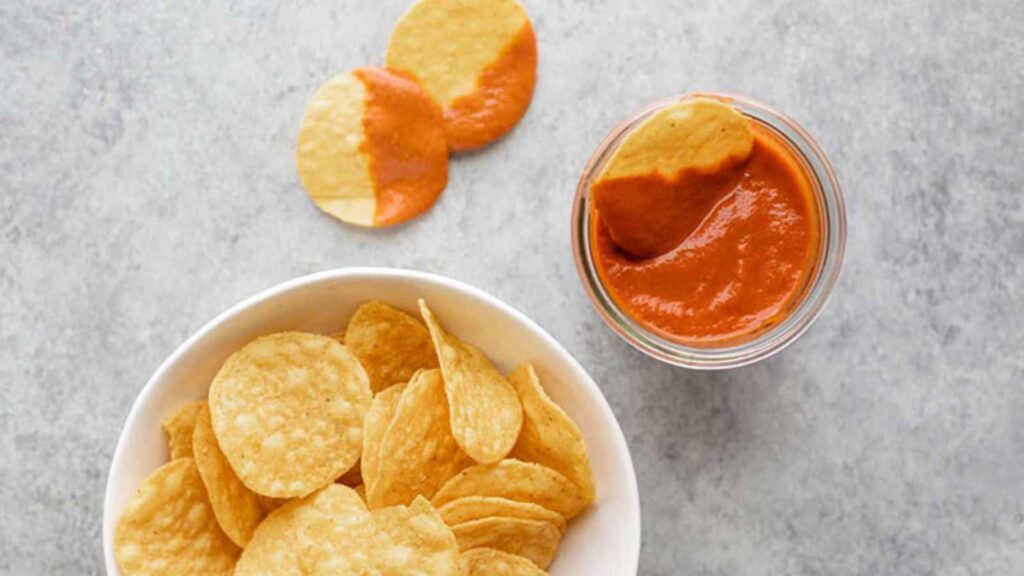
[[147, 183]]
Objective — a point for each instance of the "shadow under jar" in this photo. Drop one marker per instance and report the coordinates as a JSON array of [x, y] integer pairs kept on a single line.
[[653, 334]]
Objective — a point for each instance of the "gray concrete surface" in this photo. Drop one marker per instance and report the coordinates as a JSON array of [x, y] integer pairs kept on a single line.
[[147, 183]]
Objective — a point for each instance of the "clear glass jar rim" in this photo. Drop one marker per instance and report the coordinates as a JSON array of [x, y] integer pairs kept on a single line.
[[774, 339]]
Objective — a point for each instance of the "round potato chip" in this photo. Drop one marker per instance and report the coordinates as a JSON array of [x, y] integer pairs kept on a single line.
[[413, 540], [484, 408], [168, 527], [328, 528], [515, 480], [288, 412], [238, 509], [478, 58], [372, 149], [378, 418], [418, 452], [536, 541], [178, 427], [549, 436], [477, 507], [390, 344], [491, 562]]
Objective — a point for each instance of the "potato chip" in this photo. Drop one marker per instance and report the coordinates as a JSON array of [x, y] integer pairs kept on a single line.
[[697, 134], [331, 533], [390, 344], [361, 490], [549, 436], [178, 427], [288, 412], [478, 58], [470, 508], [168, 527], [418, 452], [491, 562], [413, 540], [238, 509], [372, 149], [536, 541], [378, 417], [669, 173], [515, 480], [484, 408], [327, 528]]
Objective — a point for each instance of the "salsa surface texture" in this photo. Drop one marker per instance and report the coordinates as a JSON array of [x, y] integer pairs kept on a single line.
[[740, 258]]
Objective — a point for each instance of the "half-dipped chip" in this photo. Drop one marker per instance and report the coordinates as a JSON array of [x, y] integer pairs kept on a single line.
[[371, 149], [484, 408], [478, 58], [238, 509], [491, 562], [536, 541], [288, 412], [669, 173], [178, 428], [549, 436], [168, 527], [391, 344], [515, 480], [418, 452]]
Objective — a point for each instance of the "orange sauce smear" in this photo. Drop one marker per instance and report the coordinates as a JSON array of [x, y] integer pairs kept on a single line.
[[503, 93], [405, 146], [738, 258]]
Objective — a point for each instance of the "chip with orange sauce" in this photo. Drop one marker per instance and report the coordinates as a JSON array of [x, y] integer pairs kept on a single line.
[[372, 149], [694, 139], [478, 58]]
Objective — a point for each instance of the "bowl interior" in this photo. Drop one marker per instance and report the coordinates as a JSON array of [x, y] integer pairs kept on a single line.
[[605, 539]]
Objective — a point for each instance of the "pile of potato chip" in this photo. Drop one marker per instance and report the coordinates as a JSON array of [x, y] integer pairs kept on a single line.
[[391, 448], [373, 146]]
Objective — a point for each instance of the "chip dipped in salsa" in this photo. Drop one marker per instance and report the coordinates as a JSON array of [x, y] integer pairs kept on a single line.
[[705, 227]]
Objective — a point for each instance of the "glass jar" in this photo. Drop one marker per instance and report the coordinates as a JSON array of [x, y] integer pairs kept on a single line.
[[832, 238]]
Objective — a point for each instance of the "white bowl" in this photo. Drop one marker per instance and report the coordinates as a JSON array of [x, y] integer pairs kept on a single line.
[[603, 540]]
